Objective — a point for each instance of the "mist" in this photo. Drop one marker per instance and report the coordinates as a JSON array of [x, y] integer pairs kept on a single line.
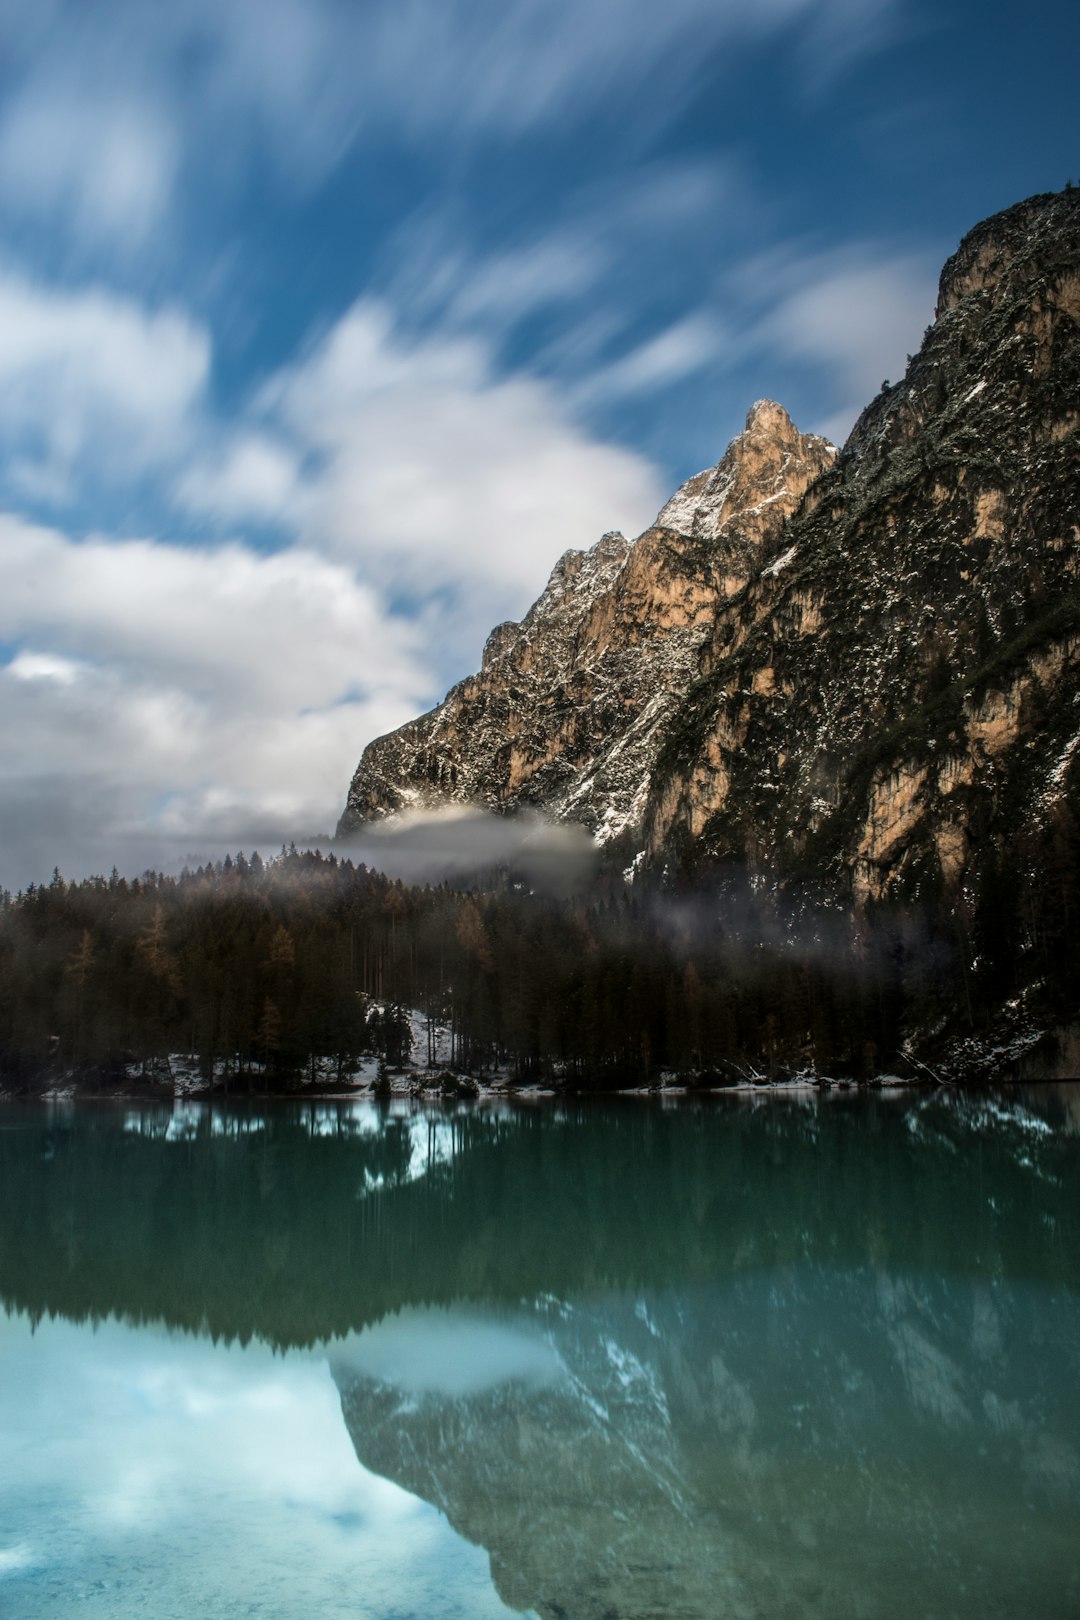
[[458, 845]]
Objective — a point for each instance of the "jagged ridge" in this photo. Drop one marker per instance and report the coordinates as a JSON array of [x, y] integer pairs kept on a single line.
[[860, 668], [570, 707]]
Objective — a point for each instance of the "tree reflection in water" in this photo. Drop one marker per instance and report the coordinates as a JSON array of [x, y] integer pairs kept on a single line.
[[717, 1360]]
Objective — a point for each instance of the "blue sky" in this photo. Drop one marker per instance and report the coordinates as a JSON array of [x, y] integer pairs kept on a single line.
[[325, 328]]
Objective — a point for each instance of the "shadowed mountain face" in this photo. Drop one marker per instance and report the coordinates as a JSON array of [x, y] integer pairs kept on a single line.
[[787, 1442], [748, 1361], [858, 668]]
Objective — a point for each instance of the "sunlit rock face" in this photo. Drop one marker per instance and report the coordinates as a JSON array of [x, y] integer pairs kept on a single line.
[[863, 668], [570, 707]]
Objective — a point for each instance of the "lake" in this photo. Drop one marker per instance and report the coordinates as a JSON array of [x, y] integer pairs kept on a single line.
[[747, 1358]]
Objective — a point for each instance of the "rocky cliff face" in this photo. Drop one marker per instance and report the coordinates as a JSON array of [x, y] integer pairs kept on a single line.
[[902, 693], [571, 706], [862, 667]]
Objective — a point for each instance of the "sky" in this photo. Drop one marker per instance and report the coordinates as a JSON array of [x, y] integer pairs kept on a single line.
[[326, 327]]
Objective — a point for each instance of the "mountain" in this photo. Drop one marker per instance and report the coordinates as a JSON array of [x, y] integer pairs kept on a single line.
[[858, 669], [570, 707], [773, 1443], [900, 699]]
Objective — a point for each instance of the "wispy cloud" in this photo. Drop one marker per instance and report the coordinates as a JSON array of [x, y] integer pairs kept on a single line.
[[427, 469], [94, 166], [93, 383], [853, 314], [111, 101], [681, 349]]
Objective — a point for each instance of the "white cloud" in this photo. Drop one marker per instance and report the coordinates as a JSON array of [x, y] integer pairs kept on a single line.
[[94, 382], [163, 693], [104, 168], [112, 97], [855, 314], [188, 693], [252, 477], [433, 473], [610, 248], [479, 65], [680, 350], [32, 666]]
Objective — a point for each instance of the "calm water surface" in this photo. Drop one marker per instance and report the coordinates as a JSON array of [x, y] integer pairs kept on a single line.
[[598, 1363]]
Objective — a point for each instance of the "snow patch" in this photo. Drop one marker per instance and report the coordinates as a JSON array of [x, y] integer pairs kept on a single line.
[[775, 568]]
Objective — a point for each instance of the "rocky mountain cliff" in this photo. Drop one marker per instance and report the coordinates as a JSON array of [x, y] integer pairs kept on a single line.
[[571, 706], [861, 667]]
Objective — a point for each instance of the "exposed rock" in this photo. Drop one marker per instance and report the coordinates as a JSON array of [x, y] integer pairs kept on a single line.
[[570, 707], [921, 637], [861, 668]]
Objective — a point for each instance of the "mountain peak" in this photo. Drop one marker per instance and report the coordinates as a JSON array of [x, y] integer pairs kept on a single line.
[[568, 710], [847, 667], [769, 463], [766, 416]]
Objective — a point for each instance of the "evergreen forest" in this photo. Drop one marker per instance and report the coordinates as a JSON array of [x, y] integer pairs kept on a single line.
[[273, 974]]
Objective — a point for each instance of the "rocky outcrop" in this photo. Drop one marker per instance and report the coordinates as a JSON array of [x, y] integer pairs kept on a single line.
[[571, 706], [897, 700], [860, 669]]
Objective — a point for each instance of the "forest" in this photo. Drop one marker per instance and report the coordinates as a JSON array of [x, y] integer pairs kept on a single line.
[[260, 968]]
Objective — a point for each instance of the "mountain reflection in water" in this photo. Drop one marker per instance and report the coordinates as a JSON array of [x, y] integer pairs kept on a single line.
[[712, 1361]]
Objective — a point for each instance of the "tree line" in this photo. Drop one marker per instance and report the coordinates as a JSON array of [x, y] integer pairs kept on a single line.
[[262, 969]]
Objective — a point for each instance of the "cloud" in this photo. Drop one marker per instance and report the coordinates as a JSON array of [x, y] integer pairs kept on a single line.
[[112, 101], [605, 247], [458, 841], [151, 1461], [102, 168], [254, 476], [92, 382], [854, 314], [681, 349], [162, 696], [481, 66], [428, 470], [219, 692]]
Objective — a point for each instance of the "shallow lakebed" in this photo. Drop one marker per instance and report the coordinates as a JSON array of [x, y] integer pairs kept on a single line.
[[741, 1358]]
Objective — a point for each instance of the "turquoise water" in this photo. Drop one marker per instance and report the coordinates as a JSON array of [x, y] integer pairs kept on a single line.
[[739, 1359]]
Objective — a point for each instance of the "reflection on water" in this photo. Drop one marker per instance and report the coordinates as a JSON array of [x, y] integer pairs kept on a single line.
[[726, 1361], [143, 1475]]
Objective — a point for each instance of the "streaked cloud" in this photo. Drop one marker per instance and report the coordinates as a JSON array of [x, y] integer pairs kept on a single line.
[[93, 384], [99, 168], [681, 349], [428, 470], [853, 314], [307, 76]]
